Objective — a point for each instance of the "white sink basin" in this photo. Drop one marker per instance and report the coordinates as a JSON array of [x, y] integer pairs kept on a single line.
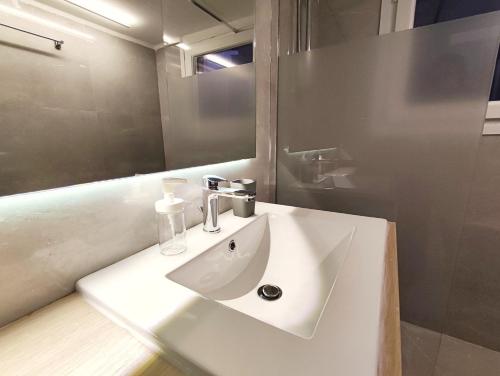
[[298, 249], [301, 252]]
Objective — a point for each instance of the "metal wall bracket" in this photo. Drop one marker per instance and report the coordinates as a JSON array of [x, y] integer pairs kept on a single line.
[[57, 43]]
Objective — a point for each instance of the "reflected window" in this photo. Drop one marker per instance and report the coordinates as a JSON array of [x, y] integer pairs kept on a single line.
[[225, 58], [428, 12]]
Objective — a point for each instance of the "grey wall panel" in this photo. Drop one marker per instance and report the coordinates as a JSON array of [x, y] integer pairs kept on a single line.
[[87, 112], [389, 126], [474, 304]]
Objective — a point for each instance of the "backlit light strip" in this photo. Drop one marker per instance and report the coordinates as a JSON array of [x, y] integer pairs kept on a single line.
[[219, 60], [107, 11], [44, 22]]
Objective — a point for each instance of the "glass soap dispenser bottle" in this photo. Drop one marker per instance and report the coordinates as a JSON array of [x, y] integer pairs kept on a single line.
[[170, 217]]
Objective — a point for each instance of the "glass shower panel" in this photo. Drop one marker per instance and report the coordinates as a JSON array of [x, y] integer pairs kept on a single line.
[[389, 127], [212, 117]]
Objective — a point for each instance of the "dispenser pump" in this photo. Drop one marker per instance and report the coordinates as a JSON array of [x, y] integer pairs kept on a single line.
[[170, 203]]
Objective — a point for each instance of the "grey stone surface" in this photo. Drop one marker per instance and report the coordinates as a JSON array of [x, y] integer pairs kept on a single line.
[[460, 358], [428, 353], [419, 350]]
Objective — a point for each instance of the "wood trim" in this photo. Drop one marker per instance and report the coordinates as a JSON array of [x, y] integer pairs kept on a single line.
[[389, 362]]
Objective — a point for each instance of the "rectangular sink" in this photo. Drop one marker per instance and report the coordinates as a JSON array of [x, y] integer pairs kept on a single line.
[[301, 253], [327, 318]]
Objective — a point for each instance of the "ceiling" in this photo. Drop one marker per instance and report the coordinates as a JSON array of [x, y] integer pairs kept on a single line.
[[149, 28], [180, 16], [230, 10]]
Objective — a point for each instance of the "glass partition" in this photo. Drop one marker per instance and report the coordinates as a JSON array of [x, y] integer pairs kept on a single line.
[[389, 127], [212, 118]]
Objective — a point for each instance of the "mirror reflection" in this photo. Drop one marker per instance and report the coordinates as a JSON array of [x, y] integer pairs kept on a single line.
[[212, 114], [94, 90]]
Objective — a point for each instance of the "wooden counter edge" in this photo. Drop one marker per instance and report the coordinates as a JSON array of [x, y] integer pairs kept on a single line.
[[389, 360]]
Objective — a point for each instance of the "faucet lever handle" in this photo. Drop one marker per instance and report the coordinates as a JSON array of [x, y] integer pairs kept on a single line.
[[212, 181]]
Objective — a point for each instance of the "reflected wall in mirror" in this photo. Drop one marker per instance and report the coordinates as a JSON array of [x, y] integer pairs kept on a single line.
[[83, 94], [207, 81]]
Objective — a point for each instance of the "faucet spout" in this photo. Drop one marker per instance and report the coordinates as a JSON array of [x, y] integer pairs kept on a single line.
[[211, 194]]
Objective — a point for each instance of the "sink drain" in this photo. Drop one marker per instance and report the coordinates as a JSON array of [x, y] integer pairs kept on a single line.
[[269, 292]]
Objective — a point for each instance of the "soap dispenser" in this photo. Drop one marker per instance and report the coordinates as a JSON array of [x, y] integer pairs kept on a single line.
[[170, 216]]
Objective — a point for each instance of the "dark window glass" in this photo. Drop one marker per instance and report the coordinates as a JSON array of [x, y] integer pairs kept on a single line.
[[224, 58], [429, 12]]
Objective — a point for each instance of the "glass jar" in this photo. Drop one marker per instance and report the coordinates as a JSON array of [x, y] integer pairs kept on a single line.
[[172, 233]]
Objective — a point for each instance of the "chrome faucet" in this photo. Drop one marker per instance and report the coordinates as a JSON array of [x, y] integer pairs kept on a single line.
[[211, 194]]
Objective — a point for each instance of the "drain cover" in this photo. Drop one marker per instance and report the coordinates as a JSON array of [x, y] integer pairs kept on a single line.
[[269, 292]]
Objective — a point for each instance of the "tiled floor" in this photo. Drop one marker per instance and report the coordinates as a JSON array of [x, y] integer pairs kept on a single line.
[[427, 353]]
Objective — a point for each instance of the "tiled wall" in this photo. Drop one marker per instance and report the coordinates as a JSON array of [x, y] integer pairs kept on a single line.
[[87, 112], [429, 353], [50, 239]]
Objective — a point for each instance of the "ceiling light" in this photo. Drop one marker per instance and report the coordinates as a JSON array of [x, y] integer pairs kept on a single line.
[[167, 39], [219, 60], [42, 21], [184, 46], [107, 11]]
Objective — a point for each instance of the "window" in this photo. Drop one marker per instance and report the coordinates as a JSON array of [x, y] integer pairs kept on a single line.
[[226, 58], [212, 53], [407, 14], [429, 12]]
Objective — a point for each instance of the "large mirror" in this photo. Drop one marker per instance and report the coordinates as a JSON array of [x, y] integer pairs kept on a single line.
[[100, 89]]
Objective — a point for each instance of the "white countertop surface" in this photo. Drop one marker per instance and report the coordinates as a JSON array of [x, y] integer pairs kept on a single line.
[[221, 341]]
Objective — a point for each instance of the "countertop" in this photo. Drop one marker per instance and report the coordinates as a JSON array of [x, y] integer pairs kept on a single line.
[[71, 337], [224, 342]]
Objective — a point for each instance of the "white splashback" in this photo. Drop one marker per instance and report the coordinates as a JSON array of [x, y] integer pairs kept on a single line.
[[50, 239]]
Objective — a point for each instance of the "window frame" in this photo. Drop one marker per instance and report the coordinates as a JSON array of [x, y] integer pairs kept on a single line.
[[398, 15], [188, 57], [195, 57]]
